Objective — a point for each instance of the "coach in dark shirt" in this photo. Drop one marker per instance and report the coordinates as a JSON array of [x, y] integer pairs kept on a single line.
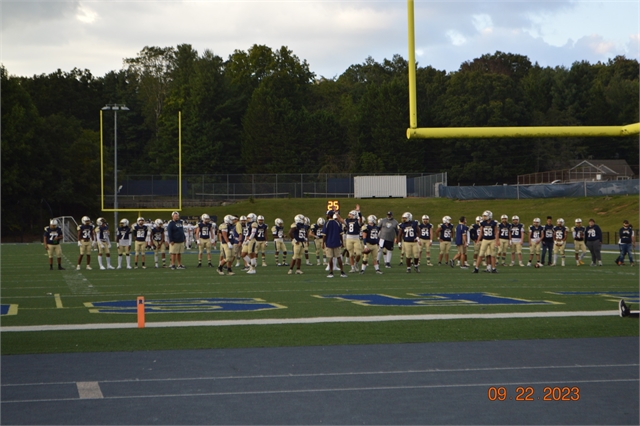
[[594, 242], [176, 239]]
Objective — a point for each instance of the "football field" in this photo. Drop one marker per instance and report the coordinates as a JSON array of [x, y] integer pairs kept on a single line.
[[47, 311]]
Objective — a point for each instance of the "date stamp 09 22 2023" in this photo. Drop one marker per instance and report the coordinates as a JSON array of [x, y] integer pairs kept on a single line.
[[522, 393]]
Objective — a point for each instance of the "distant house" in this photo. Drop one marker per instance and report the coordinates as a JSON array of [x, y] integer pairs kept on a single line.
[[582, 170]]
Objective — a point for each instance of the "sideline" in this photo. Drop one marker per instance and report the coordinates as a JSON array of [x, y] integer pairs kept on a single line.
[[316, 320]]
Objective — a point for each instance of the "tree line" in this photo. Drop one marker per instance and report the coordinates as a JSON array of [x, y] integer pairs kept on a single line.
[[264, 111]]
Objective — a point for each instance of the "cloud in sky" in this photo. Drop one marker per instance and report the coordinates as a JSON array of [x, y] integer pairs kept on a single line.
[[42, 36]]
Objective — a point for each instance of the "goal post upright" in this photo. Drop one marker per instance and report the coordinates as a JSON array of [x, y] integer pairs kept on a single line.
[[414, 132]]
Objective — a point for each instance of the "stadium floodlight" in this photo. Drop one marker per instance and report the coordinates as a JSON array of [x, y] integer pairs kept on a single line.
[[115, 108], [413, 132]]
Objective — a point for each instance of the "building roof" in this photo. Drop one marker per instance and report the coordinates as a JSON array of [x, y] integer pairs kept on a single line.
[[607, 167]]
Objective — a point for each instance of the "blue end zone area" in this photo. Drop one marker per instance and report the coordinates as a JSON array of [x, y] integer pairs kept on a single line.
[[628, 296], [182, 306], [435, 299], [8, 309]]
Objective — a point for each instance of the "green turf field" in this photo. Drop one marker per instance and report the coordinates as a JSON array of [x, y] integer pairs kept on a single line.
[[41, 297]]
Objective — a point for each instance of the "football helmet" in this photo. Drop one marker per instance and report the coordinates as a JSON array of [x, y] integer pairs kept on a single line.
[[504, 216], [487, 215], [478, 219], [307, 221], [561, 221], [243, 218], [86, 220], [536, 221], [53, 222], [279, 222], [205, 218], [214, 225], [260, 218], [515, 218], [446, 219], [298, 218], [124, 222], [159, 223], [407, 217], [353, 214], [425, 217], [140, 219], [101, 221], [251, 217], [320, 221], [578, 220], [227, 219], [372, 219], [379, 222]]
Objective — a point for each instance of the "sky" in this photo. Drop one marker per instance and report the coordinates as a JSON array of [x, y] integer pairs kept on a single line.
[[39, 37]]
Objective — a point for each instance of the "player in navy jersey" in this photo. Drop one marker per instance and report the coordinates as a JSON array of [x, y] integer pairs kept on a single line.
[[488, 236], [85, 239], [103, 242], [426, 238], [204, 238], [307, 227], [517, 238], [353, 224], [123, 242], [559, 241], [261, 239], [277, 231], [445, 236], [579, 246], [53, 234], [504, 233], [372, 241], [547, 240], [536, 232], [473, 238], [298, 235], [228, 238], [140, 231], [157, 242], [315, 232], [408, 233]]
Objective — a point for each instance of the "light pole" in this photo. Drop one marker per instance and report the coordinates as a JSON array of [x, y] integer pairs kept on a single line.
[[115, 108]]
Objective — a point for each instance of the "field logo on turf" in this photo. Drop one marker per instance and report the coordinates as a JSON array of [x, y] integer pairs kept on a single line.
[[435, 299], [8, 310], [613, 296], [171, 306]]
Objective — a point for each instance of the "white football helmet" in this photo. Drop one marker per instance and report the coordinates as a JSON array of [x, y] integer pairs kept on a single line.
[[487, 215], [407, 217], [425, 217], [159, 223], [561, 222], [101, 221], [298, 218], [446, 219], [140, 219], [279, 222], [353, 214], [536, 221], [243, 218], [227, 219], [372, 219], [307, 221], [478, 219], [124, 222], [578, 220], [214, 225], [86, 220], [515, 218], [320, 221], [205, 218], [251, 217], [53, 222], [504, 216], [260, 218]]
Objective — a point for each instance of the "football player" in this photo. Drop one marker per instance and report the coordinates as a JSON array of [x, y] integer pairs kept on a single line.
[[104, 244], [85, 239], [426, 238], [204, 233], [261, 240], [547, 240], [51, 239], [316, 233], [157, 239], [123, 242], [504, 237], [307, 227], [409, 231], [559, 241], [371, 241], [473, 238], [536, 232], [227, 239], [243, 229], [445, 233], [140, 231], [249, 252], [488, 241], [353, 244], [461, 242], [578, 241], [298, 236], [277, 231], [517, 236]]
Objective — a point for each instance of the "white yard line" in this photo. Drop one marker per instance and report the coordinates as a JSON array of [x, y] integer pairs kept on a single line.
[[316, 320]]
